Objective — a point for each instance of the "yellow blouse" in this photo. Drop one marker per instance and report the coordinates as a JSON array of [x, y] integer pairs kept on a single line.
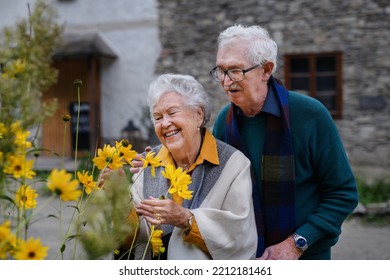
[[208, 152]]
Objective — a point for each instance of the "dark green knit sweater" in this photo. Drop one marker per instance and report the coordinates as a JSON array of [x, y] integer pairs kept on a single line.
[[326, 191]]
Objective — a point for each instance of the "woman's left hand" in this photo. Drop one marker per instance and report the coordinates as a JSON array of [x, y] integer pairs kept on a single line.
[[163, 211]]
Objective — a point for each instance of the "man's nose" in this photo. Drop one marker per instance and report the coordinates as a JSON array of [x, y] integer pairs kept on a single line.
[[227, 81]]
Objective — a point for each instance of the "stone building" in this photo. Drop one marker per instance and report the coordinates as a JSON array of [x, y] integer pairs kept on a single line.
[[344, 45], [113, 47], [336, 51]]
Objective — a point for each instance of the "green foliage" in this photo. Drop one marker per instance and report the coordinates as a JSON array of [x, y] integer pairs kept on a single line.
[[377, 191], [26, 72], [105, 218]]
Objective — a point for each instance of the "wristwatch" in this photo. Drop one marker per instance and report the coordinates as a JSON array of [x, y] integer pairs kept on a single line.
[[188, 228], [300, 241]]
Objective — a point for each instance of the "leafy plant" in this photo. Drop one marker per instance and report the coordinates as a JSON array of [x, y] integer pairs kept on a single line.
[[26, 70], [377, 191]]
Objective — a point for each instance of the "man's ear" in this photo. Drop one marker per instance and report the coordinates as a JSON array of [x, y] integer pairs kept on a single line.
[[268, 67]]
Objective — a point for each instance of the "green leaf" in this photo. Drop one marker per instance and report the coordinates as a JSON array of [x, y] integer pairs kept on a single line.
[[5, 197]]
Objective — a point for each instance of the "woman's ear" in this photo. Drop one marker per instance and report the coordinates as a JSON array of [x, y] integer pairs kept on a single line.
[[200, 115]]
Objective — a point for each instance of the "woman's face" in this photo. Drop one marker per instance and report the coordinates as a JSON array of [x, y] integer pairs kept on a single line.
[[176, 124]]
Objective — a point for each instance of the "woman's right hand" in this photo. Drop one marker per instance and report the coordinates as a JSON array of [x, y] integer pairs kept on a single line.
[[163, 211]]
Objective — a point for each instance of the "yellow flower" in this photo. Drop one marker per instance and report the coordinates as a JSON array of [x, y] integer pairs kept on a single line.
[[3, 129], [21, 139], [25, 197], [155, 240], [87, 181], [31, 250], [18, 166], [152, 161], [15, 126], [7, 239], [108, 157], [179, 181], [6, 75], [18, 66], [125, 151], [60, 183]]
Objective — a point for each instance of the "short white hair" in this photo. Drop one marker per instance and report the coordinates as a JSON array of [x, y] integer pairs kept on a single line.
[[261, 47], [185, 85]]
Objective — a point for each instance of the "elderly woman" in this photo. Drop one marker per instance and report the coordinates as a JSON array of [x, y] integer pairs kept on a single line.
[[218, 221]]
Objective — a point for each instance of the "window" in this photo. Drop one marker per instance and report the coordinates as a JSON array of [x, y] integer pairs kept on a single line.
[[317, 75]]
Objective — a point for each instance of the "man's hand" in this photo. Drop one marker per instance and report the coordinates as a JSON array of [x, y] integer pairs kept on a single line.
[[284, 250], [137, 162]]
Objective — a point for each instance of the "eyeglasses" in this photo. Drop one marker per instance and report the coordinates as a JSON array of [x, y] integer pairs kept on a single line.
[[236, 75]]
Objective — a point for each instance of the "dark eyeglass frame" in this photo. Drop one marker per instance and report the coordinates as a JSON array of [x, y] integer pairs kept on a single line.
[[226, 72]]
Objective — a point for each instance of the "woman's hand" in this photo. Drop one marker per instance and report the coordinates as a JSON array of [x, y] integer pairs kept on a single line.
[[105, 174], [163, 211]]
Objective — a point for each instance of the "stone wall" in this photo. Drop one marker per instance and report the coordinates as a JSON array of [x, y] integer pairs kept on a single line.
[[357, 28]]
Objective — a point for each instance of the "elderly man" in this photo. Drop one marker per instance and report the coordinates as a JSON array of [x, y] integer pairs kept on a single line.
[[303, 185]]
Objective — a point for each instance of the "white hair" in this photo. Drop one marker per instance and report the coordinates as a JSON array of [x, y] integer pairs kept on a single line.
[[261, 47], [185, 85]]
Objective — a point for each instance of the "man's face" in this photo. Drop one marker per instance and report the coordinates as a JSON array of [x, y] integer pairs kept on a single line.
[[252, 90]]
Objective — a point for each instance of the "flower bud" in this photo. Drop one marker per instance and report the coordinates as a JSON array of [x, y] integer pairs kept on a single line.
[[66, 118], [77, 82], [125, 143]]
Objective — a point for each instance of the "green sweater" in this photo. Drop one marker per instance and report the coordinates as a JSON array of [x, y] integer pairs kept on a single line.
[[326, 191]]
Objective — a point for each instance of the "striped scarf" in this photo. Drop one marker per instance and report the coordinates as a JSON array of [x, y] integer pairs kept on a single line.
[[275, 206]]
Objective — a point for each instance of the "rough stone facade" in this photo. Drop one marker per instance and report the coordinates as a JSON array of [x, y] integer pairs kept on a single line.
[[360, 29]]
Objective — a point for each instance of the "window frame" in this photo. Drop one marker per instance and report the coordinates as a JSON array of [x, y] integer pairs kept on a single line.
[[312, 75]]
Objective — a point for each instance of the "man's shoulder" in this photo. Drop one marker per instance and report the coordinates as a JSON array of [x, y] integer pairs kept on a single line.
[[220, 122], [223, 112], [301, 103], [301, 98]]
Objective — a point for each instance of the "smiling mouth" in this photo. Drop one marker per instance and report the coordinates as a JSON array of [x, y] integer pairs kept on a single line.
[[171, 133]]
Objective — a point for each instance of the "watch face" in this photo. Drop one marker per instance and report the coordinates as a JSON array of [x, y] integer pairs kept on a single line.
[[301, 242]]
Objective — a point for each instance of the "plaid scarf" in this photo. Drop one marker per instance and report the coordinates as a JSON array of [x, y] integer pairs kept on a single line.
[[275, 206]]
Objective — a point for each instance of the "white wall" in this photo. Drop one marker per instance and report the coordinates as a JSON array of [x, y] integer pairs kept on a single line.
[[130, 28]]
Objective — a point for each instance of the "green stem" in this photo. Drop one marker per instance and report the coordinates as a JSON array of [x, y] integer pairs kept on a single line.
[[63, 148], [60, 218], [77, 127], [147, 245]]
